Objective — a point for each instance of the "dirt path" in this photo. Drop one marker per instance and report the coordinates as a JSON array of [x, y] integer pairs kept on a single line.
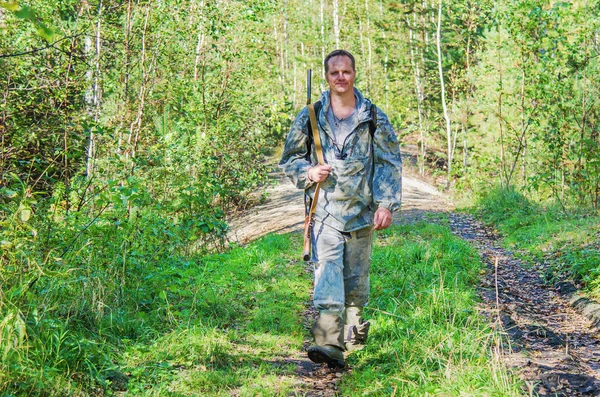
[[553, 348], [283, 210]]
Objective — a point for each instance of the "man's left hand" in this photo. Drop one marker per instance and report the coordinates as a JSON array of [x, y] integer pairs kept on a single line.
[[383, 218]]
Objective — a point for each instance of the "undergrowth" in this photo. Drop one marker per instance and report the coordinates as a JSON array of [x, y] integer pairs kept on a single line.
[[566, 241], [121, 306], [111, 300]]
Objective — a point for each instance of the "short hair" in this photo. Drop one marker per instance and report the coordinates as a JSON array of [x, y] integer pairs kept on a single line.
[[337, 53]]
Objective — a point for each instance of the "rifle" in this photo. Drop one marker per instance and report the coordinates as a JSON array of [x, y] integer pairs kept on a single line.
[[310, 209]]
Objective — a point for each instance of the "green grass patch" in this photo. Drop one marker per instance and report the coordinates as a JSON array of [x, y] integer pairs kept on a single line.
[[247, 305], [568, 241], [426, 337]]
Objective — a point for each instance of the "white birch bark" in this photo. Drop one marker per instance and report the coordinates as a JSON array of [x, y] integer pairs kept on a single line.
[[96, 93], [418, 92], [443, 92], [199, 42], [336, 23], [322, 9]]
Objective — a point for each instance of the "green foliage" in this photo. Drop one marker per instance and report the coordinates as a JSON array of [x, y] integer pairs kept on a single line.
[[534, 102], [77, 284], [130, 310], [245, 310], [28, 14]]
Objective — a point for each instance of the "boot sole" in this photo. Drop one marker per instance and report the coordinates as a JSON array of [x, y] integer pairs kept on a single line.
[[319, 356]]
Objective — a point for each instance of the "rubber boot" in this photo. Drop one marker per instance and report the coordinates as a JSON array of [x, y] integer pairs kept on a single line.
[[356, 329], [329, 340]]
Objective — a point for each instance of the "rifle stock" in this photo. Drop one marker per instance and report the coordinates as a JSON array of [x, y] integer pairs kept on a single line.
[[307, 231], [308, 216]]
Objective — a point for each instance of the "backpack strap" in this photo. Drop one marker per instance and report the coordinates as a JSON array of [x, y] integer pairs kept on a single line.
[[373, 122]]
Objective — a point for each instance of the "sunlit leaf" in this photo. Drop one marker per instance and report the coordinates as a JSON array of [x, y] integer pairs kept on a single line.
[[45, 32], [9, 193], [25, 215], [25, 13], [10, 5]]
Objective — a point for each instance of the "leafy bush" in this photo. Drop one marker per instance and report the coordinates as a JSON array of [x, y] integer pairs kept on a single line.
[[508, 207]]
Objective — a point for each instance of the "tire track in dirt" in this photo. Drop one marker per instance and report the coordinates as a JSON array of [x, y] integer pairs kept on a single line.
[[553, 347]]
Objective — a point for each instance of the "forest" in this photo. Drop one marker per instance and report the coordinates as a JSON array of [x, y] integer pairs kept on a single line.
[[131, 131]]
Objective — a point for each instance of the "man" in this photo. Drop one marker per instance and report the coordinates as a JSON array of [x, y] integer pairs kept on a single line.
[[361, 186]]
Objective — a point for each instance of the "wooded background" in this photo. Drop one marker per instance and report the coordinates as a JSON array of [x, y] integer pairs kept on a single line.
[[188, 94], [128, 124]]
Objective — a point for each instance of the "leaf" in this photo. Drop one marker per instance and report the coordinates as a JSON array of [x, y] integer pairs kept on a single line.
[[25, 13], [25, 215], [10, 5], [45, 32], [9, 193]]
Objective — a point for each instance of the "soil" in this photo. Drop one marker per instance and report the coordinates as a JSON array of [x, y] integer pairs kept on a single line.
[[550, 344]]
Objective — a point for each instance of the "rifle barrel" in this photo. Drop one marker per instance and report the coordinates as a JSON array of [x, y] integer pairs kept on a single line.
[[308, 85]]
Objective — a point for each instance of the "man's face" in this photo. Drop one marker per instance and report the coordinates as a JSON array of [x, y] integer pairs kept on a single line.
[[340, 75]]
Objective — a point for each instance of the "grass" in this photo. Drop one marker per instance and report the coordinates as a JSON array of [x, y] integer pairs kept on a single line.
[[427, 338], [169, 323], [247, 322], [566, 242]]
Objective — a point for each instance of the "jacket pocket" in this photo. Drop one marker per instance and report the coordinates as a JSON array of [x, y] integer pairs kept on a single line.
[[347, 191]]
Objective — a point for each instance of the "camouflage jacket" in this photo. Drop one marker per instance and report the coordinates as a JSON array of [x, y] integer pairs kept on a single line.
[[369, 177]]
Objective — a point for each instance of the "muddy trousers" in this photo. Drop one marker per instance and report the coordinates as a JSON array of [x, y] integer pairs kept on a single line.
[[341, 265]]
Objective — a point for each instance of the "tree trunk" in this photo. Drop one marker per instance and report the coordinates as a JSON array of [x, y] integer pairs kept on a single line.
[[136, 125], [126, 75], [443, 93], [91, 153], [370, 50], [66, 147], [199, 43], [4, 151], [322, 9], [500, 83], [418, 92], [336, 23]]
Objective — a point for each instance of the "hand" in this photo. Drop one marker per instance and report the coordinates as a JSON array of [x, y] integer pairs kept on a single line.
[[383, 218], [319, 173]]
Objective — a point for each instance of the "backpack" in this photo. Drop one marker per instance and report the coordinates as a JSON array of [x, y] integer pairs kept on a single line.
[[318, 106]]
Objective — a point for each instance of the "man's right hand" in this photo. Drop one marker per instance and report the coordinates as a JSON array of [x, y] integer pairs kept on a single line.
[[319, 173]]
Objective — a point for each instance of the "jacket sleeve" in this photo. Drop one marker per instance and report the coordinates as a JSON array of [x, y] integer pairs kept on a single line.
[[387, 177], [294, 161]]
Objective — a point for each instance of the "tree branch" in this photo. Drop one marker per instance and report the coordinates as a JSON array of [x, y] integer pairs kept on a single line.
[[18, 54]]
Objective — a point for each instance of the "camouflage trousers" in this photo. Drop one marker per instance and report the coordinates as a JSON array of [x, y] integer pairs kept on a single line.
[[342, 261]]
